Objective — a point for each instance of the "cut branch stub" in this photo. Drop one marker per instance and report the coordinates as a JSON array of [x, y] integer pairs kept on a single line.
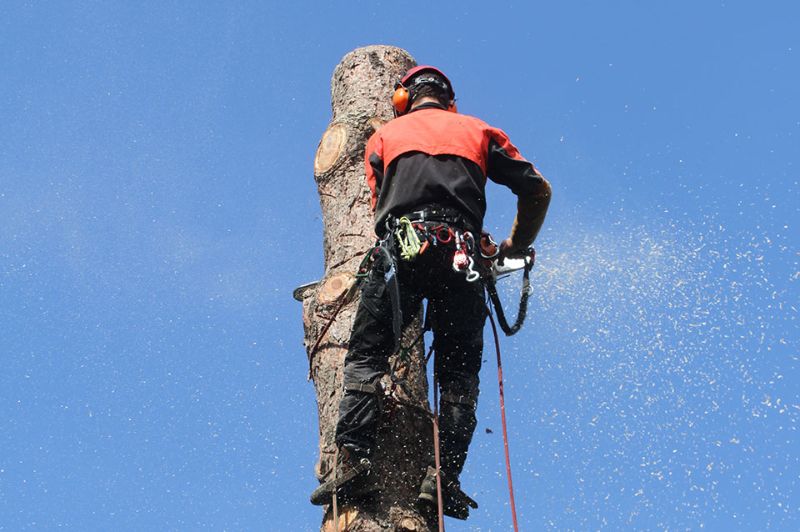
[[335, 287], [330, 148]]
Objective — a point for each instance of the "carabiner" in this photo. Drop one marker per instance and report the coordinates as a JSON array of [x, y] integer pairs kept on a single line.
[[469, 240], [488, 247]]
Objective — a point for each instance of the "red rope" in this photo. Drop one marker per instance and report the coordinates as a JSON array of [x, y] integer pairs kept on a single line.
[[436, 456], [503, 418]]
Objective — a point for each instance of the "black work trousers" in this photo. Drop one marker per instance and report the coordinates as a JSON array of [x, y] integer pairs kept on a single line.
[[457, 313]]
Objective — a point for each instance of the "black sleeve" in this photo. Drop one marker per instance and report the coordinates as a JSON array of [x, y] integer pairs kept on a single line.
[[532, 190], [376, 163], [517, 174]]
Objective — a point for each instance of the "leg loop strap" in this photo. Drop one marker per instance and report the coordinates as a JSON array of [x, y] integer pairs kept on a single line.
[[363, 388], [460, 399]]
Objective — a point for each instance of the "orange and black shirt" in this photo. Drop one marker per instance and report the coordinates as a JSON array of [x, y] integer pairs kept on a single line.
[[434, 156]]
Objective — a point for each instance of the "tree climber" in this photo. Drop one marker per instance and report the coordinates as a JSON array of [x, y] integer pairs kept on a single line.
[[427, 171]]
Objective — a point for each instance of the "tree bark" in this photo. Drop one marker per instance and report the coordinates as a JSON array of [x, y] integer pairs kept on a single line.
[[361, 90]]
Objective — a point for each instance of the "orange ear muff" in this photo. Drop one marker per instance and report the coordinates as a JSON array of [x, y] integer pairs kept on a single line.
[[400, 99]]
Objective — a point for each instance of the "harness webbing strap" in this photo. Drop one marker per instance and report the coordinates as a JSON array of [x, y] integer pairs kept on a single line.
[[460, 399], [363, 388], [393, 285], [491, 288]]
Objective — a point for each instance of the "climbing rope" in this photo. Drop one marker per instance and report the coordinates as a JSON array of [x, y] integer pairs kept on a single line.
[[503, 420], [436, 453]]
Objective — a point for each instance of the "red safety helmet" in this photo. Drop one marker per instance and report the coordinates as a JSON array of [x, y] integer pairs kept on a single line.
[[404, 92]]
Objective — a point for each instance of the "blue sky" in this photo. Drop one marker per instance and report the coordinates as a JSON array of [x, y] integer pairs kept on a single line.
[[157, 206]]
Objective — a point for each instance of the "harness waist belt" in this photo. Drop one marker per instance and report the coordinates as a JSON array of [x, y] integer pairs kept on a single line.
[[438, 213]]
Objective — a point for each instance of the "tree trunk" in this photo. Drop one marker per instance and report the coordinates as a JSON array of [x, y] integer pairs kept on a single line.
[[360, 96]]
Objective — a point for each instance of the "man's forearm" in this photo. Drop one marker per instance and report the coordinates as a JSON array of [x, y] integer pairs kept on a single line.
[[531, 211]]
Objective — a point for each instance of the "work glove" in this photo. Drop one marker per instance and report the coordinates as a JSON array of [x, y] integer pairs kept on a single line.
[[509, 250]]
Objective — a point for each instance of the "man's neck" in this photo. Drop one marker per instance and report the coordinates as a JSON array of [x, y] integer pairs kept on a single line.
[[424, 100]]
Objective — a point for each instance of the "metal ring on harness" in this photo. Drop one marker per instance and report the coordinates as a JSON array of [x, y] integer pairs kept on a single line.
[[527, 289], [447, 232]]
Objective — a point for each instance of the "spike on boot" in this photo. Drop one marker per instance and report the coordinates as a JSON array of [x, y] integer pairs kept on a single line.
[[354, 478]]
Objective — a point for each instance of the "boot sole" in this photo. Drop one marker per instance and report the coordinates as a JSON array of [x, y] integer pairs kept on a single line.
[[324, 493]]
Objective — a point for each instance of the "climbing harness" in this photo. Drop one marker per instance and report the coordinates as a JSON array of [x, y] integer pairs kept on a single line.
[[414, 236]]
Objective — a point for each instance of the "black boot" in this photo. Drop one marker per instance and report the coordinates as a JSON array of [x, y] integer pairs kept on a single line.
[[456, 503], [353, 479]]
